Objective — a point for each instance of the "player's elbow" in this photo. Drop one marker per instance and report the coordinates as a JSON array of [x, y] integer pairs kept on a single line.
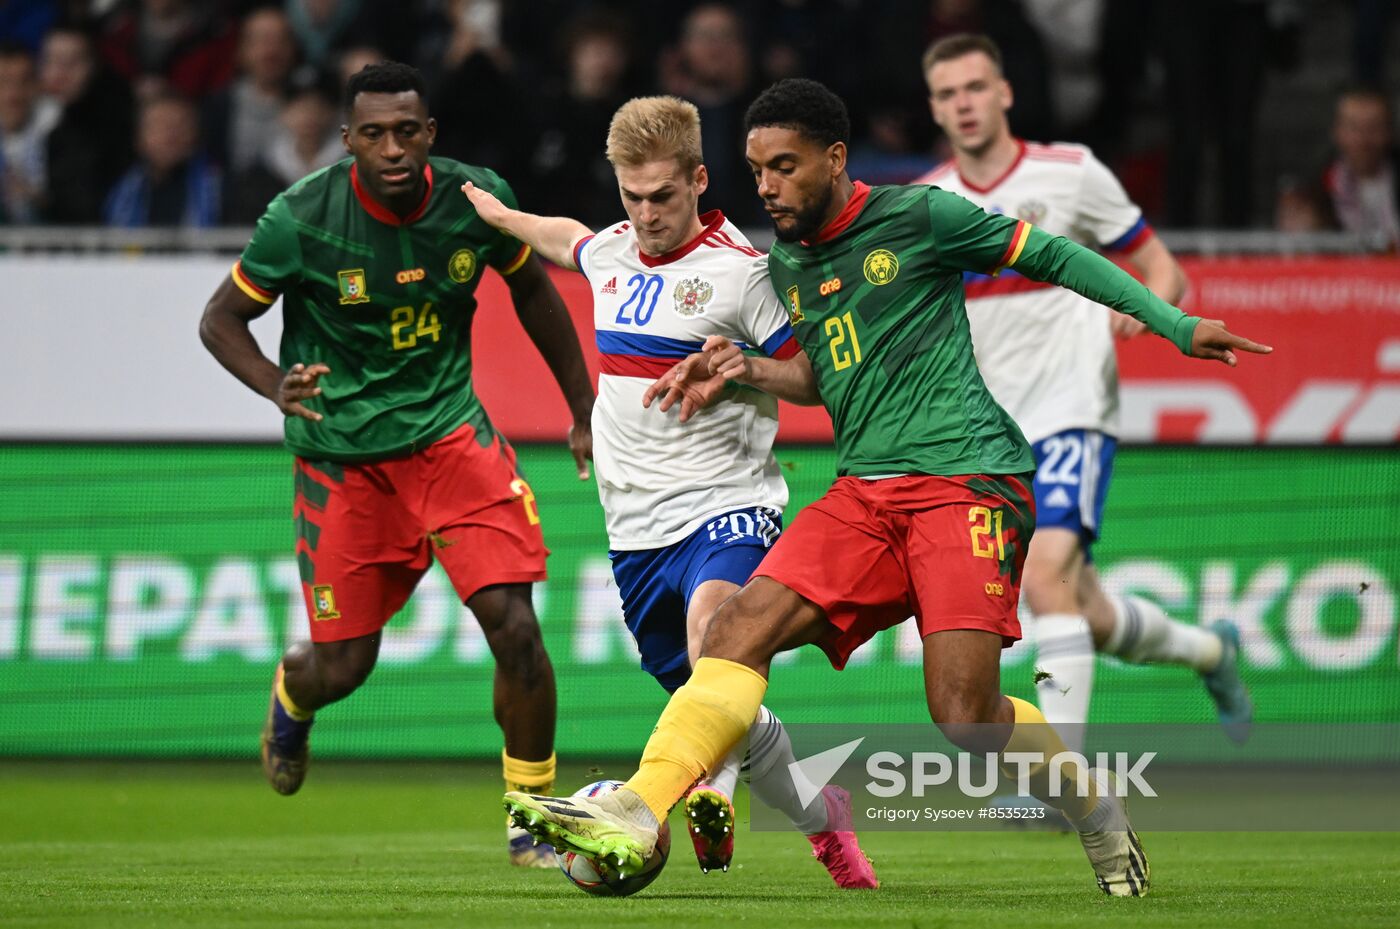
[[213, 323], [808, 394], [208, 328], [803, 394]]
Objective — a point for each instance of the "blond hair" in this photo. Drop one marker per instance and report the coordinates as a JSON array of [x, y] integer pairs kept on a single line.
[[653, 128]]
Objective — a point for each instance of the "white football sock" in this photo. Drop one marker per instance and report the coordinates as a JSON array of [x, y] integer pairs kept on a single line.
[[726, 777], [1143, 632], [771, 777], [1065, 651]]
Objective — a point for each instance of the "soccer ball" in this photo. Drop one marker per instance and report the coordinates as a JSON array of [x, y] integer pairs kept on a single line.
[[602, 880]]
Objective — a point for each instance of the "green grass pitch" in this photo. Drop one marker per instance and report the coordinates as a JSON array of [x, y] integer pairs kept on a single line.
[[209, 844]]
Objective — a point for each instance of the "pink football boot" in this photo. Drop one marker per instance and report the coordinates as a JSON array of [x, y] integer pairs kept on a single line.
[[838, 849]]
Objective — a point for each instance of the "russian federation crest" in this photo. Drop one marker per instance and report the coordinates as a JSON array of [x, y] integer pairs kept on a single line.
[[691, 296], [1033, 212]]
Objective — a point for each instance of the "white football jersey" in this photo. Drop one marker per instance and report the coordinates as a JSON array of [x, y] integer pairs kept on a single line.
[[659, 480], [1045, 352]]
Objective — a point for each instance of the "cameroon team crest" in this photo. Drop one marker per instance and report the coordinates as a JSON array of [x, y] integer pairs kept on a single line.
[[461, 267], [323, 599], [352, 286], [881, 266], [692, 295], [794, 306]]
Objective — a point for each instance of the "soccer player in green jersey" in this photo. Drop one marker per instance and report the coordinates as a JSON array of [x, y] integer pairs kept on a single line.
[[1047, 356], [932, 510], [397, 464]]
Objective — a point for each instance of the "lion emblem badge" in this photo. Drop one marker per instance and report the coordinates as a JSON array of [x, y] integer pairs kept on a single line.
[[692, 295], [461, 267], [881, 266]]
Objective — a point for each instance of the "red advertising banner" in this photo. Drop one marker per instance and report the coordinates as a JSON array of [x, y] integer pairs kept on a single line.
[[1334, 375]]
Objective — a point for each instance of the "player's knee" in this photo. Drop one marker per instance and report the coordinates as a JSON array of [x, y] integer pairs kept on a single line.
[[298, 657], [734, 633], [967, 718], [515, 641], [1050, 578], [1049, 588], [761, 620]]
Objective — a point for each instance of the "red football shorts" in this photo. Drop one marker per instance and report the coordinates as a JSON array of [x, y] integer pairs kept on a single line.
[[946, 550], [366, 533]]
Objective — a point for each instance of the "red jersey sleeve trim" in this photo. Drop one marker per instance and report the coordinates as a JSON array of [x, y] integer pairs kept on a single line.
[[245, 284], [1134, 239], [578, 252], [786, 350], [1014, 247], [517, 262]]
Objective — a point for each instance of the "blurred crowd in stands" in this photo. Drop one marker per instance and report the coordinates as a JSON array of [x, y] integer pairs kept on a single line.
[[178, 112]]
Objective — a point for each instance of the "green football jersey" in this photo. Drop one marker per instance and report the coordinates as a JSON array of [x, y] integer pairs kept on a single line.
[[877, 304], [386, 303]]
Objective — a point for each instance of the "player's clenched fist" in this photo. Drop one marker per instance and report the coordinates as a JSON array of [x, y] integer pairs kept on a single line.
[[297, 385], [487, 206]]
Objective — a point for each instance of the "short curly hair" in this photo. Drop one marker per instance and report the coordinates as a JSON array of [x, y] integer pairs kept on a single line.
[[805, 106], [385, 77]]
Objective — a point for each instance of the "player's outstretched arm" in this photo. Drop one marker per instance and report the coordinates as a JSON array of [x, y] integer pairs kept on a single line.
[[546, 321], [790, 379], [1162, 275], [553, 237], [224, 331], [1043, 257]]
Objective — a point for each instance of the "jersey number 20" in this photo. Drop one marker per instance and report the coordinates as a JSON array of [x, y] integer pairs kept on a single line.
[[641, 302]]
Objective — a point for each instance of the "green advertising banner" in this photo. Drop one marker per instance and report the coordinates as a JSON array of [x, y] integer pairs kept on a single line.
[[147, 591]]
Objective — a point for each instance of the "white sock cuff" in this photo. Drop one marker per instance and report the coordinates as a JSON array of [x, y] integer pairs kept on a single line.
[[764, 735], [1062, 635], [1145, 633], [1127, 626]]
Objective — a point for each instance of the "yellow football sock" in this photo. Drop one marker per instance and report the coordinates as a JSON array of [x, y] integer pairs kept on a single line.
[[299, 715], [531, 777], [1077, 792], [703, 721]]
